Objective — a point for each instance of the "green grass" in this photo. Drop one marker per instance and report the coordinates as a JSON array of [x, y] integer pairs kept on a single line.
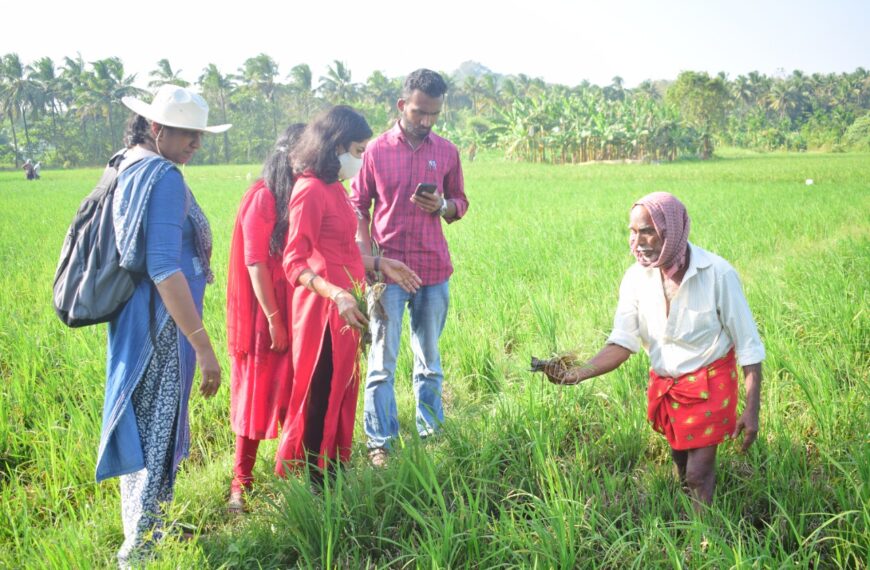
[[526, 474]]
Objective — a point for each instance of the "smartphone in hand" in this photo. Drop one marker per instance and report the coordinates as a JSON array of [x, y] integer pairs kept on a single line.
[[425, 188]]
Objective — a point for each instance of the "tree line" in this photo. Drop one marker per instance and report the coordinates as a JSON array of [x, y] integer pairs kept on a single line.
[[70, 113]]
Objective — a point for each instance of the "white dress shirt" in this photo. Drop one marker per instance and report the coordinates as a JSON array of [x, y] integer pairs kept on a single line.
[[709, 314]]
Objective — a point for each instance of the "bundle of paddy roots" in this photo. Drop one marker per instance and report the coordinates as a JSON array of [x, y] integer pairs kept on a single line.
[[561, 362], [368, 301], [374, 308]]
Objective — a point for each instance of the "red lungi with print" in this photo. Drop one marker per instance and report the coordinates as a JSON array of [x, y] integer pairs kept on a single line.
[[697, 409]]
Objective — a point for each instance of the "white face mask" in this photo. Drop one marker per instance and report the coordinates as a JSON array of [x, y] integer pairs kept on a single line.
[[350, 165]]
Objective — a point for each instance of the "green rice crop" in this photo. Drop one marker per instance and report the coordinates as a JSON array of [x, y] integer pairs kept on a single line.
[[526, 474]]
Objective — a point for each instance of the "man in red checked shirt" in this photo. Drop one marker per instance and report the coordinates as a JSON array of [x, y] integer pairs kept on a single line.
[[411, 180]]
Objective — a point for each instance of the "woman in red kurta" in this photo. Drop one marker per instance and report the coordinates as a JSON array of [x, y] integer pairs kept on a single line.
[[322, 263], [258, 310]]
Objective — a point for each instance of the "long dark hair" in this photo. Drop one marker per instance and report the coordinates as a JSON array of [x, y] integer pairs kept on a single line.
[[315, 152], [279, 178], [138, 131]]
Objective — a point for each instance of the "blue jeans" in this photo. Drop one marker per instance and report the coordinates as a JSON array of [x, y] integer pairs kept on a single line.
[[428, 310]]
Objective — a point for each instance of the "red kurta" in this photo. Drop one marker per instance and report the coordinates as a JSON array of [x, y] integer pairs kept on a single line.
[[261, 379], [321, 237]]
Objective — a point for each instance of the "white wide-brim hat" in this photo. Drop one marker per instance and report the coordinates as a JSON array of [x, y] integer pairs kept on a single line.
[[175, 106]]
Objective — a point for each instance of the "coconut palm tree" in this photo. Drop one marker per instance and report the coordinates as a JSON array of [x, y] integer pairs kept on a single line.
[[301, 88], [106, 85], [861, 77], [84, 107], [759, 85], [164, 74], [44, 74], [471, 87], [523, 82], [780, 99], [336, 85], [258, 74], [17, 95], [741, 91], [382, 91], [47, 100], [451, 98], [217, 87], [300, 77], [616, 90], [71, 79], [488, 92], [508, 89], [647, 89]]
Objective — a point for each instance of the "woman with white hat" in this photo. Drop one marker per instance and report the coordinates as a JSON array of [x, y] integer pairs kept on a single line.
[[159, 338]]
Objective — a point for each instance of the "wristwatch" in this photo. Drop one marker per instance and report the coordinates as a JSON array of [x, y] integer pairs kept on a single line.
[[442, 211]]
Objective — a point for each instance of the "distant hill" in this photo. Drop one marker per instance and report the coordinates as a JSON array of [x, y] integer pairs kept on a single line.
[[473, 69], [477, 69]]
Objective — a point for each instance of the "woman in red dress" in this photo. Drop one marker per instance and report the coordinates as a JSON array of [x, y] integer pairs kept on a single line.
[[322, 263], [258, 311]]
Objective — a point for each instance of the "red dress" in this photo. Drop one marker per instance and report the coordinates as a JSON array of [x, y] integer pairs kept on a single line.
[[261, 379], [321, 238]]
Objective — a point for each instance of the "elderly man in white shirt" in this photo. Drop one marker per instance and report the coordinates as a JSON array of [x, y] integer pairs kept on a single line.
[[685, 306]]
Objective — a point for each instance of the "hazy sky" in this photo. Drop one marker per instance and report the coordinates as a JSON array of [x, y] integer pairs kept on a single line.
[[558, 40]]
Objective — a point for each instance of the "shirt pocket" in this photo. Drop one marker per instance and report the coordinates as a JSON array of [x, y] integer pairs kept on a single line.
[[696, 326]]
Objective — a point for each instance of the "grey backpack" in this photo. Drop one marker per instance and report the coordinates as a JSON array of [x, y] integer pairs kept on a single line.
[[89, 285]]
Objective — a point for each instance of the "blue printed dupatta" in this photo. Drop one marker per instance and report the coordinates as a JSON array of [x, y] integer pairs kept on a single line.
[[130, 346]]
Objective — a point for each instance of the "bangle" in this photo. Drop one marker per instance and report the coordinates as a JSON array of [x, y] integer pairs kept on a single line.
[[311, 280], [335, 295], [199, 330], [269, 316], [377, 263]]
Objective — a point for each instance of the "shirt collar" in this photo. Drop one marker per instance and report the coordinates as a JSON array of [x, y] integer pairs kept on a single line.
[[698, 259], [397, 134]]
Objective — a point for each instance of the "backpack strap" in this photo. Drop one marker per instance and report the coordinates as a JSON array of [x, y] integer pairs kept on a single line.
[[117, 159]]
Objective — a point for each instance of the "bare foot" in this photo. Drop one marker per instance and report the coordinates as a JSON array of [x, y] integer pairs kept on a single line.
[[378, 457]]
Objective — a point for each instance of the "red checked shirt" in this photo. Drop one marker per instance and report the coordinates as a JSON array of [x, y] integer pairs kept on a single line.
[[390, 173]]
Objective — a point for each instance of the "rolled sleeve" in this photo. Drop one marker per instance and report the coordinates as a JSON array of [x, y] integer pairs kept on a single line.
[[736, 317], [167, 210], [454, 190], [306, 216], [626, 327]]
